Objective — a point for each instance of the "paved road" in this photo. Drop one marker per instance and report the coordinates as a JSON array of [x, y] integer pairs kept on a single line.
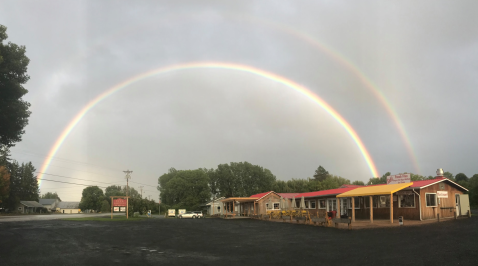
[[23, 218]]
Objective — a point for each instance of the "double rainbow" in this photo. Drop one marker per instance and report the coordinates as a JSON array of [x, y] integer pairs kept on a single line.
[[215, 65]]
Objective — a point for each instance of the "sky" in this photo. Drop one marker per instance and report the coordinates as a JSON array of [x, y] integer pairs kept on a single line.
[[307, 83]]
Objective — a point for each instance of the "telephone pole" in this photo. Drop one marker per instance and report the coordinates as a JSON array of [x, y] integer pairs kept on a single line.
[[149, 197], [128, 177], [141, 188]]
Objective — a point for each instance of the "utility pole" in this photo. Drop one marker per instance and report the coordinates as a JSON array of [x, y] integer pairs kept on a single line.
[[141, 188], [128, 177], [149, 196]]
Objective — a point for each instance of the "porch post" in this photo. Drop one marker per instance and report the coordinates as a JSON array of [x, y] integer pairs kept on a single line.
[[353, 209], [371, 209], [391, 208], [338, 206]]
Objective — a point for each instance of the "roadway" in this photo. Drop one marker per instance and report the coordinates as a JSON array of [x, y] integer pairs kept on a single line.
[[45, 217]]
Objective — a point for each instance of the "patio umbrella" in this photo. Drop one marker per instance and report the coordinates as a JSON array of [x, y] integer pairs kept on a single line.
[[281, 203], [270, 202], [286, 204], [302, 203], [292, 204]]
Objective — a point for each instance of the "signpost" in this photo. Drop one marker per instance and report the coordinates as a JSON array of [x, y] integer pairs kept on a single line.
[[120, 204], [398, 179]]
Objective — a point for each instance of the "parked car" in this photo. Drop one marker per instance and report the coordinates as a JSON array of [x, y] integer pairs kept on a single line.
[[199, 214], [187, 215]]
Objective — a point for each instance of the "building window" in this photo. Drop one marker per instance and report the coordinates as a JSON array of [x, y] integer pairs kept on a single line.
[[276, 206], [431, 199], [322, 204], [306, 204], [406, 201], [356, 202], [267, 206], [383, 201], [312, 204]]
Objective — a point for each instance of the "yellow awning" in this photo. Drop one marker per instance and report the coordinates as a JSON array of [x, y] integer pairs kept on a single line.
[[374, 190]]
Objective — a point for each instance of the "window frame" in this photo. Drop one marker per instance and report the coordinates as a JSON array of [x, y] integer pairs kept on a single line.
[[379, 205], [400, 203], [357, 206], [426, 200], [274, 205], [310, 204], [325, 204]]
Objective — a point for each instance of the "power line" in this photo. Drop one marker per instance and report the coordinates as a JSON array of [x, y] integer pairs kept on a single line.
[[118, 183], [68, 183]]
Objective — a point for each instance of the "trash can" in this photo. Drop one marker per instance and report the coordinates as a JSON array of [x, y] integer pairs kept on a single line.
[[400, 220]]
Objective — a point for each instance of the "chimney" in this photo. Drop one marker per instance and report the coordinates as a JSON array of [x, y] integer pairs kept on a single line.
[[439, 172]]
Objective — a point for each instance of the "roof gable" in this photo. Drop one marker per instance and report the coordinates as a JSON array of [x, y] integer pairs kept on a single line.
[[32, 204], [68, 205]]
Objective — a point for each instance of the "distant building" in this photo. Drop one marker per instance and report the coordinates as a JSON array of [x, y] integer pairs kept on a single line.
[[28, 207], [49, 204], [68, 207], [214, 207]]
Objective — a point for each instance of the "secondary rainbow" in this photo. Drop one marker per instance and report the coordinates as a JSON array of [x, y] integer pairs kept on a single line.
[[217, 65]]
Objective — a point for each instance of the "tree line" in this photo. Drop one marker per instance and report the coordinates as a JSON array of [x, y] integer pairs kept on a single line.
[[191, 189]]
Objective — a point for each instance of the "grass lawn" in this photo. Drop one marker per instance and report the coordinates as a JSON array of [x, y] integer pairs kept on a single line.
[[106, 219]]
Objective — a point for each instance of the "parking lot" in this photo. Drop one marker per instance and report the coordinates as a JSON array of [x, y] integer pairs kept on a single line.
[[233, 242]]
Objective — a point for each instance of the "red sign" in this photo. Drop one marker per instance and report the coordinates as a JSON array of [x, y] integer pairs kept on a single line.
[[119, 202]]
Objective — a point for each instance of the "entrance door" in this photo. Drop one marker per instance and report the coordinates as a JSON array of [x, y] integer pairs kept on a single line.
[[457, 204], [343, 206], [331, 205]]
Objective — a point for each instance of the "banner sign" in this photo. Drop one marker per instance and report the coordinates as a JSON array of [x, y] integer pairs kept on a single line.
[[116, 209], [119, 202], [442, 194], [122, 209], [398, 179]]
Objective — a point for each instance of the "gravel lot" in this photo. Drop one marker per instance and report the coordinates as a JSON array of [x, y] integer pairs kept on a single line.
[[233, 242]]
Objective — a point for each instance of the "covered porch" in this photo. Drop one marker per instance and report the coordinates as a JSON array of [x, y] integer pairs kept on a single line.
[[384, 191], [239, 207]]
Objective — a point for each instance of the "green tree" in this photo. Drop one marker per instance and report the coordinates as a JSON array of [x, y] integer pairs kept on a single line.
[[50, 195], [185, 189], [113, 191], [105, 206], [23, 183], [377, 180], [358, 183], [91, 198], [4, 184], [449, 176], [461, 177], [321, 174], [14, 111]]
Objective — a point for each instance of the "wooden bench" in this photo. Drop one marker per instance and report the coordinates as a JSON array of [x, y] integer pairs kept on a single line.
[[338, 221], [320, 221], [284, 218], [298, 219]]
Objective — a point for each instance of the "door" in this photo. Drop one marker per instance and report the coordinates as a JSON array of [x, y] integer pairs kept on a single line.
[[343, 206], [331, 205], [464, 204], [457, 204], [63, 211]]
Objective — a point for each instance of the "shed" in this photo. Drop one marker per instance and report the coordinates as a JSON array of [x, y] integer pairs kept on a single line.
[[49, 204], [28, 207]]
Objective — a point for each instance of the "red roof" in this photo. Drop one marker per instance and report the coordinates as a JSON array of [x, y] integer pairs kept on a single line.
[[260, 195], [335, 191], [288, 195]]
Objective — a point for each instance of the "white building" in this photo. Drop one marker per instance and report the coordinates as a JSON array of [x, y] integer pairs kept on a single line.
[[215, 206], [68, 207], [49, 204]]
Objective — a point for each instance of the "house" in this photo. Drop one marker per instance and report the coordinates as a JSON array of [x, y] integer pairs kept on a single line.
[[29, 207], [49, 204], [68, 207], [418, 200], [214, 206], [255, 204]]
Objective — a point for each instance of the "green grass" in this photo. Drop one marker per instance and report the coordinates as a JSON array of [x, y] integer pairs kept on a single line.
[[105, 219]]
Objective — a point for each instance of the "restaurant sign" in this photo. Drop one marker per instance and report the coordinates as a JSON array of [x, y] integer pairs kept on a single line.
[[398, 179], [442, 194], [119, 202]]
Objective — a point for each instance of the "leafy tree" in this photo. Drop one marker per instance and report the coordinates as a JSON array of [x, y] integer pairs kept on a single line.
[[185, 189], [13, 74], [321, 174], [381, 180], [132, 192], [4, 184], [105, 206], [449, 176], [91, 198], [50, 195], [113, 191], [358, 183], [461, 177], [23, 183]]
